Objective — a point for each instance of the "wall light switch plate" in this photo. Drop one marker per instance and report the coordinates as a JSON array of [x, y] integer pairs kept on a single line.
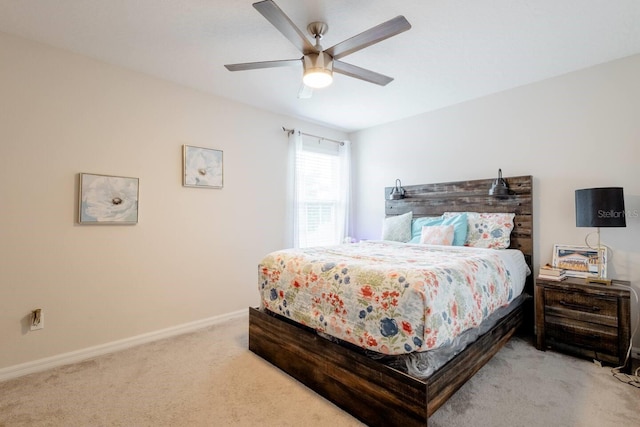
[[37, 320]]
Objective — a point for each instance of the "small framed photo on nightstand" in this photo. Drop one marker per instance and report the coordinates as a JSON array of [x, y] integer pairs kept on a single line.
[[579, 261]]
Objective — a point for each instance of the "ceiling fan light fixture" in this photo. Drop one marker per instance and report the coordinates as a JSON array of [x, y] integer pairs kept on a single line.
[[318, 70], [318, 65]]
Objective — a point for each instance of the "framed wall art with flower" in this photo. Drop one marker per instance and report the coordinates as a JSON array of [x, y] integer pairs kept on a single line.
[[106, 199], [202, 167]]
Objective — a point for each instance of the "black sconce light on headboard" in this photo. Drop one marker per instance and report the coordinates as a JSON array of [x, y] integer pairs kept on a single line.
[[397, 192], [499, 188]]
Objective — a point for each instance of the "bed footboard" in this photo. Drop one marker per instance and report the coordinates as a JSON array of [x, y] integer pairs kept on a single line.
[[370, 390]]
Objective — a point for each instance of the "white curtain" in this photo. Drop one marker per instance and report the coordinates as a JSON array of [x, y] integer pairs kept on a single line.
[[292, 220], [344, 193], [319, 191]]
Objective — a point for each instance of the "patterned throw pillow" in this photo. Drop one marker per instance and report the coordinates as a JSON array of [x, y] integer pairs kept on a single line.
[[488, 230], [437, 235], [397, 228]]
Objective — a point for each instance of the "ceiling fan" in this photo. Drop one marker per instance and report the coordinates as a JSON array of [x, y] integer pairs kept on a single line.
[[319, 64]]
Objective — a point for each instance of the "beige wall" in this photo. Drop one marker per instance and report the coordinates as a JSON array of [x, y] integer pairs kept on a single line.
[[194, 252], [576, 131], [193, 255]]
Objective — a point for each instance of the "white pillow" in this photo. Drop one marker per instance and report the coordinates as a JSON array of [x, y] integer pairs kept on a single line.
[[397, 228], [437, 235]]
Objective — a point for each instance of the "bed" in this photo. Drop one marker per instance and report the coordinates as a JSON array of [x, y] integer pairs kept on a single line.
[[372, 390]]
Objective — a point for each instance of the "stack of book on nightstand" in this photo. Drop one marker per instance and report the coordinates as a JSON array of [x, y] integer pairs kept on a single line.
[[548, 272]]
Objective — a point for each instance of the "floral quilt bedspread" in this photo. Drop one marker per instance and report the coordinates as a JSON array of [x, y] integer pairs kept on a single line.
[[388, 297]]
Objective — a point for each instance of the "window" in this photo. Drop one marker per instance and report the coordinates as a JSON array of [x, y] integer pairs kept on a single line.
[[321, 188]]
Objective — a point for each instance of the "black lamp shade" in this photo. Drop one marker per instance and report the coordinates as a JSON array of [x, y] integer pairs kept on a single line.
[[600, 207]]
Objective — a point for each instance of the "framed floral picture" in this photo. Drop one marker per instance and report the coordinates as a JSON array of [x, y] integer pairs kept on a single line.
[[202, 167], [579, 261], [106, 199]]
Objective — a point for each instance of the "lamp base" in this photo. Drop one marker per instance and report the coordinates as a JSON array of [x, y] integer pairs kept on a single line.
[[598, 280]]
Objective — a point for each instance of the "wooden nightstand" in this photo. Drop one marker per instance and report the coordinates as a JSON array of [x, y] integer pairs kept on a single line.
[[588, 320]]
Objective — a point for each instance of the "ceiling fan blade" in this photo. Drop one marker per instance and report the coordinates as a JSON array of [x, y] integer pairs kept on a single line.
[[278, 19], [305, 92], [263, 64], [361, 73], [371, 36]]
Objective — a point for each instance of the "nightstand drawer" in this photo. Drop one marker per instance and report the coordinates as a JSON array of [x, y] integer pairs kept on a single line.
[[589, 336], [586, 308]]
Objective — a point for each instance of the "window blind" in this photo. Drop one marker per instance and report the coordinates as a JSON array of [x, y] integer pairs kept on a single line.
[[318, 175]]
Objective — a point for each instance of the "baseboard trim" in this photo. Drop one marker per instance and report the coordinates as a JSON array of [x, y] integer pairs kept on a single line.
[[99, 350], [635, 353]]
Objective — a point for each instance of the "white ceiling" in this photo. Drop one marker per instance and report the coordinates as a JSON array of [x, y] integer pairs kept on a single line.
[[456, 50]]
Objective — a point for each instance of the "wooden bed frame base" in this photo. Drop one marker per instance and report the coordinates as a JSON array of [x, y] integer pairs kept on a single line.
[[368, 389]]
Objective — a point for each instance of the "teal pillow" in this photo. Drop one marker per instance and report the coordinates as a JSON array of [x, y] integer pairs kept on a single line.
[[459, 223]]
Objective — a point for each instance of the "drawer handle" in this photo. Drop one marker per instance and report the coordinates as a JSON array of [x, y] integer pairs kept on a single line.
[[579, 307]]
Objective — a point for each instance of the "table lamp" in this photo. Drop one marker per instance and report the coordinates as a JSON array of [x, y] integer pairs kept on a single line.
[[600, 207]]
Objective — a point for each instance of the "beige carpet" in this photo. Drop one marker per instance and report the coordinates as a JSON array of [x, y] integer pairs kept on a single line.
[[209, 378]]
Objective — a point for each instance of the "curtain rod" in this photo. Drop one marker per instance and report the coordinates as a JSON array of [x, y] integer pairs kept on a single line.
[[322, 138]]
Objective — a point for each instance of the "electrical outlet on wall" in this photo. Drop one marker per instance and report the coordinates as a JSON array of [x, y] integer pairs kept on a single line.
[[37, 319]]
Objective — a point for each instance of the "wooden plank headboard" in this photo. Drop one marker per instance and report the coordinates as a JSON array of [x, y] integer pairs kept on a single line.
[[473, 196]]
